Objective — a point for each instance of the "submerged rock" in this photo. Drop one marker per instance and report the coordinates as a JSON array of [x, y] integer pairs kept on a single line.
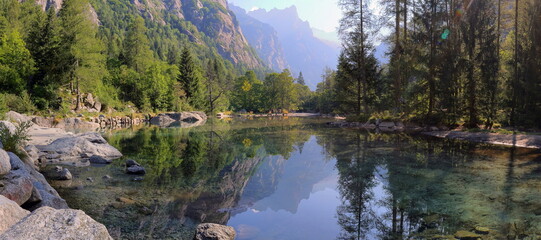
[[49, 223], [482, 230], [137, 179], [125, 200], [10, 213], [60, 174], [211, 231]]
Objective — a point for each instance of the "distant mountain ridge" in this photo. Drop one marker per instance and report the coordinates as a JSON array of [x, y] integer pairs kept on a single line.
[[302, 50], [263, 38]]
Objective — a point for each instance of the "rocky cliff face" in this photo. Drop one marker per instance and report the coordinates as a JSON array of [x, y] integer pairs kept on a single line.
[[304, 52], [263, 38], [213, 18], [210, 17]]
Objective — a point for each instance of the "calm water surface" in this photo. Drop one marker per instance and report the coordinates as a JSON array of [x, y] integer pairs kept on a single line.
[[300, 179]]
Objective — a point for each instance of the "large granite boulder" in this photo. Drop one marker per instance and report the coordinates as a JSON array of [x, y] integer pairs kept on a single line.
[[49, 223], [17, 117], [10, 213], [5, 165], [211, 231], [23, 184], [182, 118], [17, 184], [79, 146]]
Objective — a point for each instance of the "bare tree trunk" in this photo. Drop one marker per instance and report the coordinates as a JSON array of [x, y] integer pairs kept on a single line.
[[515, 82]]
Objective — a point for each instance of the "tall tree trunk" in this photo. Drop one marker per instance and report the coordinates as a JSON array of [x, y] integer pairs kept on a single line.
[[363, 67], [431, 83], [397, 50], [515, 81]]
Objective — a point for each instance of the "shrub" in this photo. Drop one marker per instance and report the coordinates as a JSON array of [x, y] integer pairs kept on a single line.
[[21, 104], [14, 141]]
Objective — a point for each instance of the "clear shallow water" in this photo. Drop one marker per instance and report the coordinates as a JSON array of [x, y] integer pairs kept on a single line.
[[299, 179]]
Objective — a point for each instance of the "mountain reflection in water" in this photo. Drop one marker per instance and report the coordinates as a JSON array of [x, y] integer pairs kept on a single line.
[[299, 179]]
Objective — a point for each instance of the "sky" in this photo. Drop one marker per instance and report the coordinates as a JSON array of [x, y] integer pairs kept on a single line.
[[321, 14]]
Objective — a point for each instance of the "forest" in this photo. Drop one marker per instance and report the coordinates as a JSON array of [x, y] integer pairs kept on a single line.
[[452, 62]]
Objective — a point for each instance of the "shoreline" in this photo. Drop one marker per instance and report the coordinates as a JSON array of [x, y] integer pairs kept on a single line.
[[512, 140]]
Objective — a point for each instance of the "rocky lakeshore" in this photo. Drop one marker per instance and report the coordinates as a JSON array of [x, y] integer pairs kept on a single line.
[[28, 200]]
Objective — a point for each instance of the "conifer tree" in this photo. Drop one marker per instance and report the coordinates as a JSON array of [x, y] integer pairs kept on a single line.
[[190, 78]]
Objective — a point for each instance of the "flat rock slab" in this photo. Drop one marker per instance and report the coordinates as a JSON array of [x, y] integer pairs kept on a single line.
[[80, 146], [517, 140], [50, 223]]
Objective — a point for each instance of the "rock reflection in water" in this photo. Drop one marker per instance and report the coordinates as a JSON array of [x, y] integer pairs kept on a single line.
[[299, 179]]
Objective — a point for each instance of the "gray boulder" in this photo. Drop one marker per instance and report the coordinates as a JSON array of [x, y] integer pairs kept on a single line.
[[136, 170], [49, 223], [99, 160], [10, 213], [32, 153], [5, 165], [211, 231], [131, 162], [81, 146], [17, 184], [61, 174], [22, 182], [17, 117]]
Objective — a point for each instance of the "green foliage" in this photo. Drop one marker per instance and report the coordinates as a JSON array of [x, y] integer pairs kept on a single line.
[[20, 103], [190, 78], [13, 141], [280, 91], [16, 63]]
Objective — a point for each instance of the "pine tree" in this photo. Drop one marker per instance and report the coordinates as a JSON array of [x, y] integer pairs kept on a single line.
[[353, 30], [300, 79], [137, 54], [190, 78], [45, 46]]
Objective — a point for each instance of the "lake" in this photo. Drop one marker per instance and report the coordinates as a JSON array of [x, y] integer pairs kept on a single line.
[[298, 178]]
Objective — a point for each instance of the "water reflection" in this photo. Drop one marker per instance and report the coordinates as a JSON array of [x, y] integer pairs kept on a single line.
[[299, 179]]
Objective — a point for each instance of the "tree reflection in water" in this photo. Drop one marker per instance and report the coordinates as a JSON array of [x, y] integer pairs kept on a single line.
[[391, 186]]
